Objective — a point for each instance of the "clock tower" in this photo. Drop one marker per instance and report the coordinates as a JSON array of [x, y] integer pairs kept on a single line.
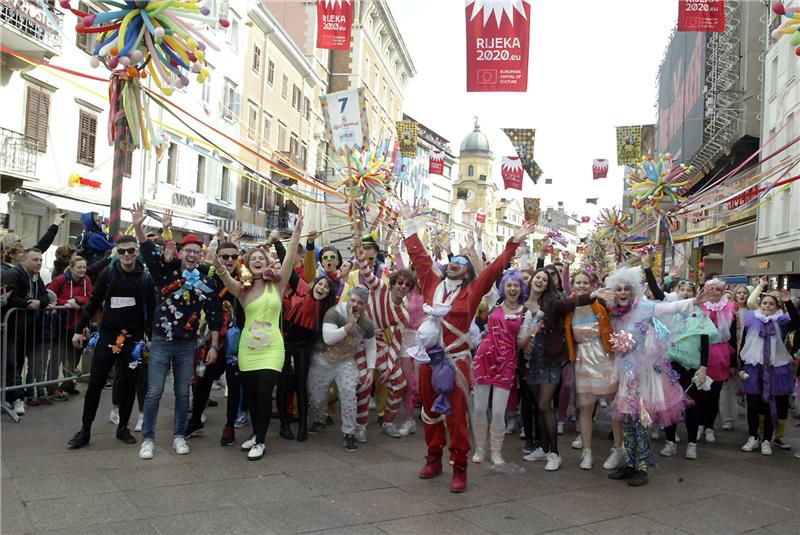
[[475, 185]]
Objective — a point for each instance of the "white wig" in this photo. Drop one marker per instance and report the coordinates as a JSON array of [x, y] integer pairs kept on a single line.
[[628, 276]]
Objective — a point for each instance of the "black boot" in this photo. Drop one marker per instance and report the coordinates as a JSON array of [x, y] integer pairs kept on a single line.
[[625, 472], [286, 431], [125, 436], [80, 439], [639, 479]]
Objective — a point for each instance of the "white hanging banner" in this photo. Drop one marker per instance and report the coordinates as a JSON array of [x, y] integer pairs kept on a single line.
[[346, 120]]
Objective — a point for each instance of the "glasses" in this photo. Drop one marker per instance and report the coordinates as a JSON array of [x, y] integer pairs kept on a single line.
[[690, 284], [227, 257], [460, 260], [329, 257], [191, 251], [405, 283], [129, 251], [622, 289]]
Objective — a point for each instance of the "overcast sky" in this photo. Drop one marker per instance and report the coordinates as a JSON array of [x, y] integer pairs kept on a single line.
[[592, 67]]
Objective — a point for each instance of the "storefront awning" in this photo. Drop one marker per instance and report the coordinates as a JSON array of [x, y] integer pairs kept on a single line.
[[68, 204]]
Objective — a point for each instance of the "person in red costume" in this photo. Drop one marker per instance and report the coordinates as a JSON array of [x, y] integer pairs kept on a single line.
[[451, 303]]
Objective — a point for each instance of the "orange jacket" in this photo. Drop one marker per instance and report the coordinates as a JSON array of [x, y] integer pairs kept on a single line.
[[605, 329]]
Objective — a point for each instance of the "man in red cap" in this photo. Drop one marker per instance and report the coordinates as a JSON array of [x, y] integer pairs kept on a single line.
[[186, 291]]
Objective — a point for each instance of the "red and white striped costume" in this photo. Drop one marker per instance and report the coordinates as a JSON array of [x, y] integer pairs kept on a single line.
[[390, 322]]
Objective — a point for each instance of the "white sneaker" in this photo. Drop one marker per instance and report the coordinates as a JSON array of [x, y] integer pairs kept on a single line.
[[203, 417], [240, 422], [766, 448], [728, 426], [478, 456], [409, 427], [553, 462], [655, 434], [701, 431], [603, 403], [361, 434], [710, 436], [180, 446], [147, 450], [139, 423], [669, 449], [256, 452], [751, 444], [19, 407], [536, 455], [249, 443], [497, 458], [691, 451], [615, 459], [586, 459], [577, 444], [390, 429], [560, 428], [114, 416]]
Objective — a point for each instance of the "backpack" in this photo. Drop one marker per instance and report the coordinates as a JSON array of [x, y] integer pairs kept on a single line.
[[82, 248]]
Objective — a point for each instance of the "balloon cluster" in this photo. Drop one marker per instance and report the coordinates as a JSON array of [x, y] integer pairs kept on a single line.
[[612, 226], [155, 37], [657, 180], [790, 26], [367, 175]]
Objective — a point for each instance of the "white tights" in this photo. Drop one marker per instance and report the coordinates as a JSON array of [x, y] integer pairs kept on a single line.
[[479, 421]]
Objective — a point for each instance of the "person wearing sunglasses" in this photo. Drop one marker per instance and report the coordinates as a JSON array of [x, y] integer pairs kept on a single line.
[[186, 292], [232, 316], [386, 307], [445, 345], [125, 292], [330, 261]]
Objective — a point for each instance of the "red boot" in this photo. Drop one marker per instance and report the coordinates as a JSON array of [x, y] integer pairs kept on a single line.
[[459, 482], [432, 468]]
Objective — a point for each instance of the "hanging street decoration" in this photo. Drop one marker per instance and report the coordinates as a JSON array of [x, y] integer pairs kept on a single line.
[[407, 132], [346, 120], [701, 15], [790, 25], [76, 180], [599, 169], [629, 144], [523, 140], [530, 207], [512, 171], [334, 24], [436, 163], [657, 183], [498, 35]]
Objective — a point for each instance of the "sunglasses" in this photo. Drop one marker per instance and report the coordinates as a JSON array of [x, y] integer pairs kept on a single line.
[[690, 284], [227, 257], [407, 284], [129, 251], [329, 257], [460, 260]]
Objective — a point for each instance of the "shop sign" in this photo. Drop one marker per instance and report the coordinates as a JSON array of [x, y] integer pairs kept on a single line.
[[184, 201]]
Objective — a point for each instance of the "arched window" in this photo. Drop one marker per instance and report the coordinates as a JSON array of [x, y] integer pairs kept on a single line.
[[471, 170]]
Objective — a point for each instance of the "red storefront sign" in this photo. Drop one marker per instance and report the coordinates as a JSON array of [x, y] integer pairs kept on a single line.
[[701, 15], [498, 33], [334, 23], [436, 163], [743, 198]]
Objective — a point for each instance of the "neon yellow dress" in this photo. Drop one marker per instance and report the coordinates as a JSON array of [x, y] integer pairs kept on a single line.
[[261, 344]]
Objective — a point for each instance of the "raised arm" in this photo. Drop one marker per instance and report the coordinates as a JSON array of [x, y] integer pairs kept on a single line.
[[752, 301], [288, 263], [47, 239], [372, 282], [310, 258]]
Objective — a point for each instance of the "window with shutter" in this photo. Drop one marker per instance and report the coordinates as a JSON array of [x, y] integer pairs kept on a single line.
[[85, 41], [87, 135], [37, 113]]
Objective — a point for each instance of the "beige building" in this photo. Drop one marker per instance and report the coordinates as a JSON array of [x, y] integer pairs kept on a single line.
[[280, 119], [475, 185]]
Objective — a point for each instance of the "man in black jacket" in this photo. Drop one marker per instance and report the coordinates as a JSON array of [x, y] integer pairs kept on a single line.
[[126, 294], [28, 292]]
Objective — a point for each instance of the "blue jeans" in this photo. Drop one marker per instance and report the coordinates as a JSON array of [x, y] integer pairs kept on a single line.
[[163, 353]]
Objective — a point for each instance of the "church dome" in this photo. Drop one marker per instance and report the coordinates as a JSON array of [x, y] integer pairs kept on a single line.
[[476, 142]]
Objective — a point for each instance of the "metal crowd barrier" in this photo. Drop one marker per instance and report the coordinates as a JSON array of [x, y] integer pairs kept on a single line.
[[37, 354]]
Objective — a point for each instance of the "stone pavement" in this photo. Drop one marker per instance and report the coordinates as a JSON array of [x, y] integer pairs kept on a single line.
[[317, 487]]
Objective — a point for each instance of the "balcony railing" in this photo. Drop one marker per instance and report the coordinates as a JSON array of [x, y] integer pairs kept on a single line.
[[18, 154], [29, 19]]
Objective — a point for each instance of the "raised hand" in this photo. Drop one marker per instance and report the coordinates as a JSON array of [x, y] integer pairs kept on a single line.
[[274, 236], [298, 225], [236, 235], [312, 236], [406, 211], [470, 245], [647, 261], [137, 214], [167, 221], [763, 281], [523, 232], [58, 218]]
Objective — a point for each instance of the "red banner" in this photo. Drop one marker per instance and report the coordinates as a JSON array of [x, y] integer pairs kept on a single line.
[[436, 163], [585, 219], [334, 22], [498, 33], [480, 216], [512, 172], [701, 15], [599, 169]]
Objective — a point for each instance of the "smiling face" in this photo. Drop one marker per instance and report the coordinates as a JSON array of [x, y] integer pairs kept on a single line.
[[769, 305], [400, 289], [623, 294], [741, 294], [321, 290], [512, 291], [539, 282], [581, 285], [230, 258], [32, 261], [257, 263], [458, 268], [190, 256], [685, 290]]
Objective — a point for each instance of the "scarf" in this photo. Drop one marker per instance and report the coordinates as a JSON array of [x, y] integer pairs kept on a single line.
[[766, 331]]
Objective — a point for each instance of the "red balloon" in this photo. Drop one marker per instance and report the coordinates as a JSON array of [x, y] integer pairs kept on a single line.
[[779, 8]]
